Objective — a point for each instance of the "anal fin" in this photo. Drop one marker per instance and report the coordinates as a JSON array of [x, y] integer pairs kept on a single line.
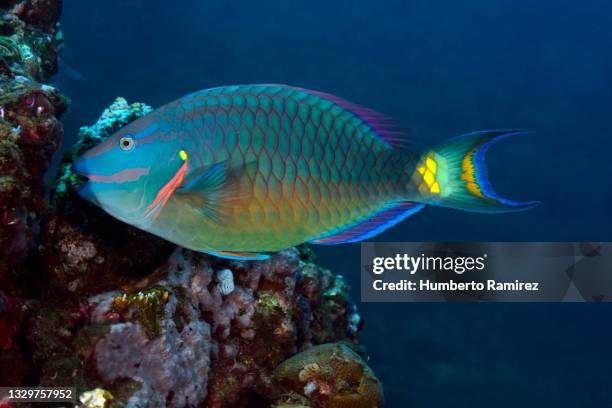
[[387, 217], [242, 256]]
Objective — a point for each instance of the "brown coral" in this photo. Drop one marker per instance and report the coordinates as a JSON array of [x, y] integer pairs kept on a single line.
[[328, 376]]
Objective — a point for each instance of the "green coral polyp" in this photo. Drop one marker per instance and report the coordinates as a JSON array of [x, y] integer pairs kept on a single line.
[[339, 289], [9, 49], [268, 305]]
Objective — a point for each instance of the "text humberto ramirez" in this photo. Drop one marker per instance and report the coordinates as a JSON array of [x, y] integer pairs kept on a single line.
[[458, 265]]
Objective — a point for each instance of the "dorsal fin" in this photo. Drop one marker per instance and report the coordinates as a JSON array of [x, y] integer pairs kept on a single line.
[[382, 125], [374, 225]]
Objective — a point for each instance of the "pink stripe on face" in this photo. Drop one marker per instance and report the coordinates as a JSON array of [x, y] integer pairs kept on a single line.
[[122, 176], [166, 191]]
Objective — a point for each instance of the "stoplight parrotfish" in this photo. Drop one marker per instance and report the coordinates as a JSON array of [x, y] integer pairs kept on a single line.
[[242, 171]]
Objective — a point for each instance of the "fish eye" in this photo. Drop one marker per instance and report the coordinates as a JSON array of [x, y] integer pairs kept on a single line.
[[126, 143]]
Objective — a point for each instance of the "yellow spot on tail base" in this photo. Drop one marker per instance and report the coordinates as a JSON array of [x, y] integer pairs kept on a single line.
[[431, 164], [429, 178], [183, 155], [428, 169]]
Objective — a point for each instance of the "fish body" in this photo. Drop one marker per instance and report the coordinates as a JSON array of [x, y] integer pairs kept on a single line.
[[240, 171]]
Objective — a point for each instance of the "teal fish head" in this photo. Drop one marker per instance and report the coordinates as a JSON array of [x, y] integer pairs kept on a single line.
[[133, 173]]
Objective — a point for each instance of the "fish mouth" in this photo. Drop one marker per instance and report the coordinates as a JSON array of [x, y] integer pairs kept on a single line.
[[78, 178], [80, 181], [78, 165]]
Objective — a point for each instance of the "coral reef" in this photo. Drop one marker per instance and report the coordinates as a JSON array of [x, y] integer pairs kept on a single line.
[[30, 133], [30, 130], [165, 344], [182, 341], [128, 318]]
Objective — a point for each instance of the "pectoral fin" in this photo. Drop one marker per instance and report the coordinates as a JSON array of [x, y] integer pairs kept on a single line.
[[212, 190]]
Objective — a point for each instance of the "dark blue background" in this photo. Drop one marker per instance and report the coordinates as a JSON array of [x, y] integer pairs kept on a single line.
[[440, 68]]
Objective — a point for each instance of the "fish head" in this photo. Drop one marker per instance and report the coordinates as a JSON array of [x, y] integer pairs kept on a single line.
[[127, 173]]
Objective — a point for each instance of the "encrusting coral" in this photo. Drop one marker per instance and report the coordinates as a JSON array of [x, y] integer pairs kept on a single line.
[[329, 376], [128, 318]]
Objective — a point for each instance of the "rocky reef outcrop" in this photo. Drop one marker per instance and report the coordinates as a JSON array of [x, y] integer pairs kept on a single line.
[[30, 130], [184, 340], [30, 133], [128, 318]]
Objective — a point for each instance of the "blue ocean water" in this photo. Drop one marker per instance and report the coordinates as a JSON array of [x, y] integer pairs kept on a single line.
[[440, 68]]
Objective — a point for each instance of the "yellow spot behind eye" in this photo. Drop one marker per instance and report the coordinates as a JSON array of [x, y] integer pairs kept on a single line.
[[183, 155], [435, 188]]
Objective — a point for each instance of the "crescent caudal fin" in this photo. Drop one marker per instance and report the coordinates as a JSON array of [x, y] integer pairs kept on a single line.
[[455, 175]]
